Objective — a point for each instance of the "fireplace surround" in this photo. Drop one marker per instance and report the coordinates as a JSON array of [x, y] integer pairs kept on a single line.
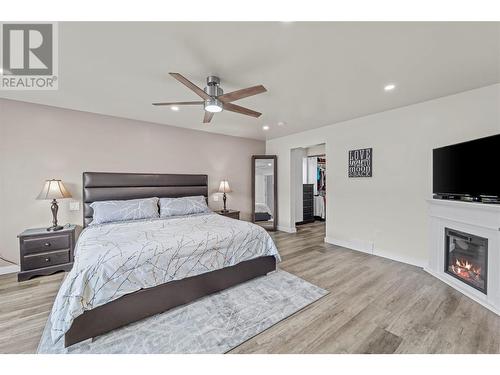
[[465, 248]]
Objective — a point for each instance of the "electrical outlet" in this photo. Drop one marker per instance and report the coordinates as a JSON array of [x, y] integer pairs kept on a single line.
[[74, 206], [216, 198]]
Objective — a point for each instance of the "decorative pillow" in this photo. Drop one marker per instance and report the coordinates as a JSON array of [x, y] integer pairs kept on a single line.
[[183, 206], [133, 209]]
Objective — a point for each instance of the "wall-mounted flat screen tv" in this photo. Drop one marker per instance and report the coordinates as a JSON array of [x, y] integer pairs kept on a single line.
[[468, 168]]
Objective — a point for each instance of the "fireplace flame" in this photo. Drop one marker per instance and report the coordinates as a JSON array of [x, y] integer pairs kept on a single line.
[[466, 269], [465, 265]]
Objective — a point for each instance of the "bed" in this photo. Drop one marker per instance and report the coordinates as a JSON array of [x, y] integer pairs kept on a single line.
[[127, 271], [262, 212]]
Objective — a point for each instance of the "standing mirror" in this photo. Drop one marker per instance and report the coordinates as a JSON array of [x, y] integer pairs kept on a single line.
[[264, 191]]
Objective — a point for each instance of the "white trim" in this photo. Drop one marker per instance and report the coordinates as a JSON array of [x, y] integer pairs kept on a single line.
[[287, 229], [369, 248], [9, 269], [397, 258], [454, 284], [358, 245], [461, 204]]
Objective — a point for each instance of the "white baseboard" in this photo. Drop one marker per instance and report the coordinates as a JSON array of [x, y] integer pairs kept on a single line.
[[369, 248], [398, 258], [9, 269], [287, 229], [358, 245]]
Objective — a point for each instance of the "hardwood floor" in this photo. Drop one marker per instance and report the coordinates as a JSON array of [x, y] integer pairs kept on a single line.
[[375, 305]]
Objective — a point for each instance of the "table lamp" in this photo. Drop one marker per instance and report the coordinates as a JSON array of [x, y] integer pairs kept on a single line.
[[224, 188], [54, 189]]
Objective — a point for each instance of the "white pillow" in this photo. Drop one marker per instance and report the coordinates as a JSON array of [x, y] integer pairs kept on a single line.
[[183, 206], [133, 209]]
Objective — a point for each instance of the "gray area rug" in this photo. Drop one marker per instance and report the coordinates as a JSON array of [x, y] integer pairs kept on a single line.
[[212, 324]]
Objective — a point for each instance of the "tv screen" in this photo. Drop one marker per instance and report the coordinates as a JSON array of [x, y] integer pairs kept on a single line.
[[469, 168]]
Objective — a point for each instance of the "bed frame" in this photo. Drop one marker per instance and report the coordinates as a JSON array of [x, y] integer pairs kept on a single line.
[[98, 186]]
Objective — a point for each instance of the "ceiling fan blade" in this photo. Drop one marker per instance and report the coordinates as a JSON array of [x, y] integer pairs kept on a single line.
[[238, 109], [190, 85], [178, 103], [243, 93], [208, 117]]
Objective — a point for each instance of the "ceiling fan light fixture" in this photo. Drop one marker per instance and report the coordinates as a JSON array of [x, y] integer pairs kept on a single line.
[[213, 98], [213, 105]]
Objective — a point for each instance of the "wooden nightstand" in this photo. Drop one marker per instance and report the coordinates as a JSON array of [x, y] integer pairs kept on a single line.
[[229, 213], [44, 252]]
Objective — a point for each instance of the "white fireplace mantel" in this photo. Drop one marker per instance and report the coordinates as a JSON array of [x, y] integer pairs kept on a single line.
[[475, 218]]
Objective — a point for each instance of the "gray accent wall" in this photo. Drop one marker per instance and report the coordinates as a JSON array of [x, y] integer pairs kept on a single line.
[[40, 142]]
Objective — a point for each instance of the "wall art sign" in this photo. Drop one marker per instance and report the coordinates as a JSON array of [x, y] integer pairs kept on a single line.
[[360, 163]]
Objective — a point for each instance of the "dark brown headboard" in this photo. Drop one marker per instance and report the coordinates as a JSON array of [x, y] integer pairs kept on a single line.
[[101, 186]]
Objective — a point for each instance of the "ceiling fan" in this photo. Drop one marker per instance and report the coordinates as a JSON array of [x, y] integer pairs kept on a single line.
[[214, 99]]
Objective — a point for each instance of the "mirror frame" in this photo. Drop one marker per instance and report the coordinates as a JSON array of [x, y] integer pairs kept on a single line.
[[275, 190]]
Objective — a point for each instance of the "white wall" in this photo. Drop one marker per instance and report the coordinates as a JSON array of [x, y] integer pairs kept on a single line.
[[39, 142], [260, 182], [387, 214], [260, 187], [316, 150]]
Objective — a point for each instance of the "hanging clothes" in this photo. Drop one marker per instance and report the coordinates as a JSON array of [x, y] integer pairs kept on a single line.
[[321, 176]]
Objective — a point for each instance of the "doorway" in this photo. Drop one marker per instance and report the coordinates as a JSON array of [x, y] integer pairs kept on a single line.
[[309, 168]]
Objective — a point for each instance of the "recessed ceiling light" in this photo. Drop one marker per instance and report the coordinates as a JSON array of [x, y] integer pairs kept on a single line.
[[389, 87], [174, 108], [281, 123], [265, 127]]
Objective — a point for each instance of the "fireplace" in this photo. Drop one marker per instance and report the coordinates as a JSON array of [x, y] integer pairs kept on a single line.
[[465, 249], [466, 258]]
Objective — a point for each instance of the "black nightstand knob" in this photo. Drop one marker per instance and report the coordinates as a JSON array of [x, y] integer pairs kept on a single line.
[[47, 259], [46, 244]]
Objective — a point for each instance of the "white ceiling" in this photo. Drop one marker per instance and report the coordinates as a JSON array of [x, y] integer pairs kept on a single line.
[[316, 73]]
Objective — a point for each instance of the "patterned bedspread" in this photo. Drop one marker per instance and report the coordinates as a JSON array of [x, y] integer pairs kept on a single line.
[[115, 259]]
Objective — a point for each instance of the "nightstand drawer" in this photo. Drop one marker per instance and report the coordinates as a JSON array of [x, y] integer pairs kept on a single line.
[[49, 243], [233, 215], [46, 259]]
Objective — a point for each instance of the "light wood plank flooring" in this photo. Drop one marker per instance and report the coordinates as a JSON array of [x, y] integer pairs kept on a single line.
[[375, 305]]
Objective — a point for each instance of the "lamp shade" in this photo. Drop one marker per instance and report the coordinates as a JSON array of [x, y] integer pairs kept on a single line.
[[224, 187], [53, 189]]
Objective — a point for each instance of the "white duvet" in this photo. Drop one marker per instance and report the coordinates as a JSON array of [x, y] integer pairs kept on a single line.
[[115, 259]]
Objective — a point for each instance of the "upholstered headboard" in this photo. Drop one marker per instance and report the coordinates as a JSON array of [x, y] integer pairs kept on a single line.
[[101, 186]]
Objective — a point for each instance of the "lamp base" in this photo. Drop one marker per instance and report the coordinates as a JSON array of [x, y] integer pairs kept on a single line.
[[55, 228], [54, 208], [224, 199]]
